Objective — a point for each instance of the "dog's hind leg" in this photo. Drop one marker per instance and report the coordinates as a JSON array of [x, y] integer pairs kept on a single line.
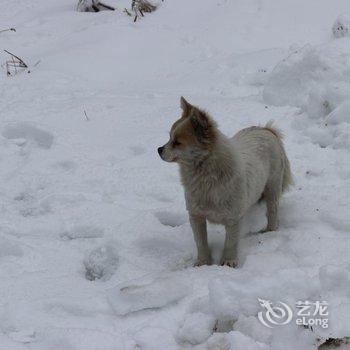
[[272, 194], [229, 255], [199, 228]]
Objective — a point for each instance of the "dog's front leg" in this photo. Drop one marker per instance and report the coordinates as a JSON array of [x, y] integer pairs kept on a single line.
[[199, 228], [229, 255]]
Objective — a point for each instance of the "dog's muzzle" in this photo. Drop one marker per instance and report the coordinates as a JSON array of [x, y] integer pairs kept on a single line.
[[160, 150]]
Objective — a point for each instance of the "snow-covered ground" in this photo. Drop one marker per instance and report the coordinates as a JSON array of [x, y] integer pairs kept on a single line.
[[96, 250]]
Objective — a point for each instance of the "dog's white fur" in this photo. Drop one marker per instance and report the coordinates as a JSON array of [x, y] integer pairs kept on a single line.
[[227, 176]]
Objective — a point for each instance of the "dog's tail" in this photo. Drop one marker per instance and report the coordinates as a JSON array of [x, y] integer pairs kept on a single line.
[[287, 174]]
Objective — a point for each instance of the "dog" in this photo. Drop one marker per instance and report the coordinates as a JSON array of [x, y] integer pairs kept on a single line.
[[223, 177]]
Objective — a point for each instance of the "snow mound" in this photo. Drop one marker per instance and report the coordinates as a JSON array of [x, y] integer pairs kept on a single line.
[[154, 294], [337, 125], [218, 341], [341, 26], [23, 132], [295, 77], [339, 115], [145, 339], [196, 328], [316, 79], [231, 298], [241, 341], [101, 263], [334, 129], [253, 328]]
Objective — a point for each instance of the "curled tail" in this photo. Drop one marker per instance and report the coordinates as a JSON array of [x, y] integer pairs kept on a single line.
[[287, 174]]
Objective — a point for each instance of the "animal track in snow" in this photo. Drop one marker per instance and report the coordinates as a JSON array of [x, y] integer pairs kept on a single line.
[[341, 26], [172, 219], [23, 133], [82, 231], [101, 263]]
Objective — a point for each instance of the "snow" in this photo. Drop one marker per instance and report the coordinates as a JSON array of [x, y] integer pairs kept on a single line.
[[96, 251], [153, 294], [341, 26], [197, 327], [101, 262]]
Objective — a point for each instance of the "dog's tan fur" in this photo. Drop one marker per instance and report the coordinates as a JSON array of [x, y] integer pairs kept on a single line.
[[224, 177]]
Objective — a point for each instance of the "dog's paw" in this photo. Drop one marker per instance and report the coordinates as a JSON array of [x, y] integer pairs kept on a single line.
[[263, 230], [201, 262], [228, 262], [268, 229]]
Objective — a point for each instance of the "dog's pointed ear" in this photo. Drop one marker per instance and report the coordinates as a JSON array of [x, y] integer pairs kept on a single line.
[[203, 126], [185, 106]]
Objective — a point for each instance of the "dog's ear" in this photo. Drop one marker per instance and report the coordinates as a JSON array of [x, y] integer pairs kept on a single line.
[[184, 105], [203, 126]]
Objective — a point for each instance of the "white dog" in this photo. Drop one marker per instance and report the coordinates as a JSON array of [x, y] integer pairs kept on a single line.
[[223, 177]]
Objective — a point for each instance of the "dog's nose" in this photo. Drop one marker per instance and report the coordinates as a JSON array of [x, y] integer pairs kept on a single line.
[[160, 150]]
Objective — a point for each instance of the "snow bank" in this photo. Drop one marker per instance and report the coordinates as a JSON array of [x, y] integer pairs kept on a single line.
[[316, 79], [231, 298], [308, 71]]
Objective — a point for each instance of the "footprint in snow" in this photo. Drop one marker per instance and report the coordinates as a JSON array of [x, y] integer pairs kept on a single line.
[[101, 263], [172, 219], [22, 133], [82, 231], [154, 294]]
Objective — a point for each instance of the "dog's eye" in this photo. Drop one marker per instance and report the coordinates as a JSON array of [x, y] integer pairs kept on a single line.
[[176, 143]]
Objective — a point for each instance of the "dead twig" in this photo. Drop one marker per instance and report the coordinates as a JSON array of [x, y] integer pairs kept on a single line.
[[127, 12], [14, 63], [108, 7], [20, 61], [86, 116], [93, 6], [139, 7]]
